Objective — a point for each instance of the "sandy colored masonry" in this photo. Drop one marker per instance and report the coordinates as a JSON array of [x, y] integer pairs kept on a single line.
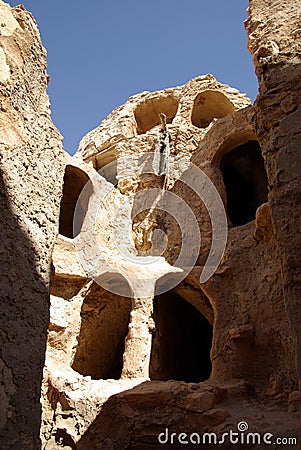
[[110, 332]]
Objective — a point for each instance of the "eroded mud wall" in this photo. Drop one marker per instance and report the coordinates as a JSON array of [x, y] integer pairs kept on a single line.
[[274, 33], [31, 177]]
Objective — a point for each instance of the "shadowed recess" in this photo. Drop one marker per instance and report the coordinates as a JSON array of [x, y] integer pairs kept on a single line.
[[245, 181], [74, 182], [181, 342]]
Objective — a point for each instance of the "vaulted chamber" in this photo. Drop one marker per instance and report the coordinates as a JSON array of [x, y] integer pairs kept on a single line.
[[147, 112], [209, 105]]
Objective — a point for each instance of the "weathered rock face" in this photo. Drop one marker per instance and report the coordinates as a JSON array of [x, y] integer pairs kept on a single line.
[[31, 178], [131, 131], [224, 340], [276, 48], [140, 338]]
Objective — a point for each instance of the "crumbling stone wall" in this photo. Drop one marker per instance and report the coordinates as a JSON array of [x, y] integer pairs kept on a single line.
[[241, 307], [275, 45], [250, 305], [31, 178]]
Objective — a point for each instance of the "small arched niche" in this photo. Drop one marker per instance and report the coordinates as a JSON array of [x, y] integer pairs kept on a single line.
[[101, 342], [245, 181], [181, 342], [106, 165], [147, 113], [209, 105], [74, 182]]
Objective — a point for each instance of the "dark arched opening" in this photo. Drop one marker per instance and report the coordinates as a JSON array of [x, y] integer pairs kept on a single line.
[[104, 325], [245, 181], [181, 342], [74, 182]]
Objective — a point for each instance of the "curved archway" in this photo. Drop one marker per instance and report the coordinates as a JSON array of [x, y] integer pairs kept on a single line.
[[104, 326], [181, 342], [235, 139], [209, 105], [147, 113], [74, 181]]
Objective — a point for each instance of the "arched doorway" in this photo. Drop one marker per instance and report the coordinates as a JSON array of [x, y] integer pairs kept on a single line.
[[181, 342], [245, 181]]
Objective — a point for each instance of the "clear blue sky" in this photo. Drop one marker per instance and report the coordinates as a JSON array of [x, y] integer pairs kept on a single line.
[[102, 52]]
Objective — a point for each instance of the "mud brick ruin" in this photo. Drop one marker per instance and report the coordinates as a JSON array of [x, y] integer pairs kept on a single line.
[[152, 281]]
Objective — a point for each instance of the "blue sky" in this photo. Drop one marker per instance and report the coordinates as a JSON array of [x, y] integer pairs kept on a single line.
[[102, 52]]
